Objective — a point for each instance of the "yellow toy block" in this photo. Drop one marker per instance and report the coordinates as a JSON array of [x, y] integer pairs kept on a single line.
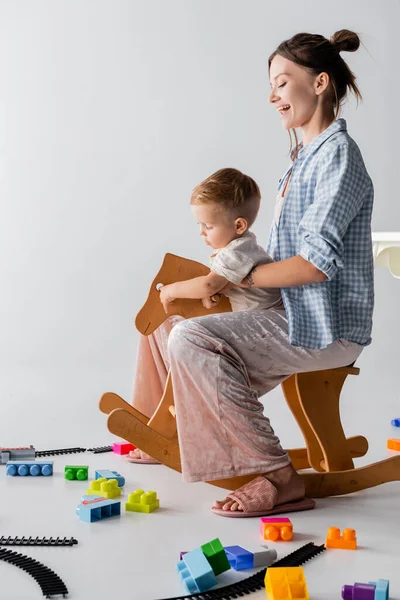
[[105, 488], [286, 583], [139, 501]]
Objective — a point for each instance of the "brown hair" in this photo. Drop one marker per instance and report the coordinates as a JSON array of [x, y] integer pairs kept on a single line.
[[320, 55], [231, 190]]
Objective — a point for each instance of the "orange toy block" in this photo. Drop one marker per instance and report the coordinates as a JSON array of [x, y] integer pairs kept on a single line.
[[276, 529], [393, 444], [347, 541]]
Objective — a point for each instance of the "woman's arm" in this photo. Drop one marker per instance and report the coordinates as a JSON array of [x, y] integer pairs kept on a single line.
[[284, 273]]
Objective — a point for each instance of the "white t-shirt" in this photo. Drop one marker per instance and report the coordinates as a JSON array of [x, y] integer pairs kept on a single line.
[[234, 262]]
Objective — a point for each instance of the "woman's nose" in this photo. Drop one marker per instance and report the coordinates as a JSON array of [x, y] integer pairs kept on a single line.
[[272, 97]]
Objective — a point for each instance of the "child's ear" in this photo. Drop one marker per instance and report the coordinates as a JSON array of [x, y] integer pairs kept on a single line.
[[240, 225]]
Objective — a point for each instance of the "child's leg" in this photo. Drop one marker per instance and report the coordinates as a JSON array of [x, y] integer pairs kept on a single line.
[[220, 365]]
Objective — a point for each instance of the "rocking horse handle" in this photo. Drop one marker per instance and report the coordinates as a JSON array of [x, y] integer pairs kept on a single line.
[[174, 268]]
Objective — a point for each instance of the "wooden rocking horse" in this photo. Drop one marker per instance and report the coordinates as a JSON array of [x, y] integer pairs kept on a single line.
[[312, 397]]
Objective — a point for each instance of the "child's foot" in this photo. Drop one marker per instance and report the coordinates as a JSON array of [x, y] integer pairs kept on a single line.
[[138, 456], [289, 487]]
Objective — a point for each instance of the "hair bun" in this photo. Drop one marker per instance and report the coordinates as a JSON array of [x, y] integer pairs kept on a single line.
[[345, 41]]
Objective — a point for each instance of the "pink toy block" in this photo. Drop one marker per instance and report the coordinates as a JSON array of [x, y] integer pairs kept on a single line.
[[276, 528], [122, 447]]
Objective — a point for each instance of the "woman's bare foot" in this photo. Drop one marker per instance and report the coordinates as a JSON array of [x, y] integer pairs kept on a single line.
[[287, 481], [140, 455]]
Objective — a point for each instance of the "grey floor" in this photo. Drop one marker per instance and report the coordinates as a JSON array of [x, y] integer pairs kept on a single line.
[[134, 556]]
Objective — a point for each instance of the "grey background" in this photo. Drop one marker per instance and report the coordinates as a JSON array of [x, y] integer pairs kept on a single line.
[[111, 112]]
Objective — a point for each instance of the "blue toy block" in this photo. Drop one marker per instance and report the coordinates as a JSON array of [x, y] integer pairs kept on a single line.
[[107, 474], [239, 558], [381, 589], [29, 467], [196, 572], [395, 423], [96, 508]]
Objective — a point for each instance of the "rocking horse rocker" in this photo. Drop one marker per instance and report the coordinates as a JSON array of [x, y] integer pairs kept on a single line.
[[328, 455]]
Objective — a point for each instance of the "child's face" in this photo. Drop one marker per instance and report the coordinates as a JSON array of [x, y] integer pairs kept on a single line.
[[217, 227]]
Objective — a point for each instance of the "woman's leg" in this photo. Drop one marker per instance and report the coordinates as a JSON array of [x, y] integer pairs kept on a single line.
[[220, 365], [151, 371]]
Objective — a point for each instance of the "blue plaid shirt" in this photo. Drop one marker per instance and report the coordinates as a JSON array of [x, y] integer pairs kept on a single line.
[[326, 219]]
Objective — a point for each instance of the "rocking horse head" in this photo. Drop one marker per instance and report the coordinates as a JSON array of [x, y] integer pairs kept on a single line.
[[174, 268]]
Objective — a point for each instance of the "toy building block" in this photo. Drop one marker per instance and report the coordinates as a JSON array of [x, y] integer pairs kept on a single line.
[[358, 591], [275, 529], [21, 453], [96, 509], [395, 422], [144, 502], [122, 447], [381, 589], [29, 467], [196, 572], [239, 558], [104, 488], [107, 474], [72, 472], [285, 583], [347, 541], [264, 558], [393, 444], [181, 555], [216, 556]]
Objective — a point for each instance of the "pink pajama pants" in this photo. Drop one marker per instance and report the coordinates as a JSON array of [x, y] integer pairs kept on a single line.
[[221, 365]]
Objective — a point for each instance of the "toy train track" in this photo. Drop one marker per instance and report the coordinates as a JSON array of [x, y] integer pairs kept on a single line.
[[100, 449], [256, 582], [37, 541], [60, 451], [97, 450], [50, 583]]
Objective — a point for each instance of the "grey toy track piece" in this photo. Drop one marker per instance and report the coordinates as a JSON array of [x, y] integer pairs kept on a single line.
[[22, 453]]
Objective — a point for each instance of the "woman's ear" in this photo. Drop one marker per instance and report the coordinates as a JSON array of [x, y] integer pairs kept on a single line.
[[241, 225], [321, 83]]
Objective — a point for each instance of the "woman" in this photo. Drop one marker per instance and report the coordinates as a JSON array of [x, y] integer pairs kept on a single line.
[[321, 242]]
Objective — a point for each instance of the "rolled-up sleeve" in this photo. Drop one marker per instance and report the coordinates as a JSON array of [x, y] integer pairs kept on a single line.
[[338, 197]]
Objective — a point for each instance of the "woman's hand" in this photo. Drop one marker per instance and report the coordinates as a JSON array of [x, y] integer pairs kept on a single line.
[[167, 295], [229, 286]]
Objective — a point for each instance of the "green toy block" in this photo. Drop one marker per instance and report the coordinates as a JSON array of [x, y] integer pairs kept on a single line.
[[216, 556], [76, 472], [139, 501]]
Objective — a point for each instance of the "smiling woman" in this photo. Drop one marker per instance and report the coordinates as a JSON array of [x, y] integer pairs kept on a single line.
[[320, 243]]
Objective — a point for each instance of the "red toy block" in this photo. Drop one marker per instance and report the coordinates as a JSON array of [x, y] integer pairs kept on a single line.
[[277, 528], [122, 447], [347, 541]]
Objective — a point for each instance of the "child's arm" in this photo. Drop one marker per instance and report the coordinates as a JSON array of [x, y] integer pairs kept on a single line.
[[197, 288]]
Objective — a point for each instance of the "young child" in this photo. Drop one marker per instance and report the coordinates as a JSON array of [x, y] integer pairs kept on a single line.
[[225, 205]]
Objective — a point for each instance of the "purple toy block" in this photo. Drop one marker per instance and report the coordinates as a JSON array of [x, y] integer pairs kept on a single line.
[[358, 591], [181, 554]]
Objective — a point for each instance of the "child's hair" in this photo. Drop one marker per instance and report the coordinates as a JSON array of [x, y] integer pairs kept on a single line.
[[233, 191], [320, 55]]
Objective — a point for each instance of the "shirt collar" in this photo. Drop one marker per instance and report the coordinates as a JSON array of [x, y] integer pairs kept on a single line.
[[338, 125]]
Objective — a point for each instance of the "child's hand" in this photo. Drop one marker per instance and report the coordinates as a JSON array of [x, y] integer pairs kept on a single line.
[[212, 301], [167, 295]]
